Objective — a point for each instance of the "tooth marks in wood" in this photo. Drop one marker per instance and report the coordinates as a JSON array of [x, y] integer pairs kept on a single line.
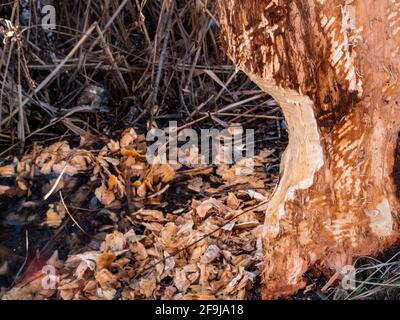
[[396, 172]]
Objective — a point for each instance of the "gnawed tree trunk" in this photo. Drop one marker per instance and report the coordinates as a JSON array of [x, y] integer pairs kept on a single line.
[[333, 66]]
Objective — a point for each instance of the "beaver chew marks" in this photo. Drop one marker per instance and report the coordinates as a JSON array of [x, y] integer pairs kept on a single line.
[[396, 172]]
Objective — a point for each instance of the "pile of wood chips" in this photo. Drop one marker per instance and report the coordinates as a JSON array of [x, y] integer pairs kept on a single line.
[[161, 245]]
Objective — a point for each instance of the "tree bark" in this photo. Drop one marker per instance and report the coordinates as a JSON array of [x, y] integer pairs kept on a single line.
[[333, 66]]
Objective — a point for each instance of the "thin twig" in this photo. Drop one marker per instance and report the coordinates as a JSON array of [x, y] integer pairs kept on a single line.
[[70, 215]]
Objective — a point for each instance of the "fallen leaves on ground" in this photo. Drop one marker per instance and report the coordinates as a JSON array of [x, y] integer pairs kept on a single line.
[[205, 247]]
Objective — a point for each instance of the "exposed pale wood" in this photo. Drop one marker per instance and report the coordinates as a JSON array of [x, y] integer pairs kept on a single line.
[[333, 66]]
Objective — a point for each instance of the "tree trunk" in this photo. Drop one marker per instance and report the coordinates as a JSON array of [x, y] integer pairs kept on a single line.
[[333, 66]]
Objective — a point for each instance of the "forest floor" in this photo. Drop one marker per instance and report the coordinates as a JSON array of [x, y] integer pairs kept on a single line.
[[83, 214]]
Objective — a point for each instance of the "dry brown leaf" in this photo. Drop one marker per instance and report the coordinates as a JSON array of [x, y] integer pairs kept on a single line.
[[104, 195], [149, 215], [83, 266], [140, 250], [112, 182], [53, 220], [22, 184], [113, 145], [105, 260], [73, 261], [121, 189], [131, 236], [91, 285], [128, 137], [114, 242], [4, 189], [232, 201], [257, 196], [181, 281], [164, 172], [211, 203], [247, 225], [80, 162], [169, 264], [210, 255], [7, 171], [170, 238], [154, 227], [168, 173], [54, 215], [204, 208], [142, 190], [70, 170], [229, 226], [67, 294], [233, 284], [17, 293], [113, 161], [69, 285], [197, 253], [132, 153], [106, 293], [23, 166], [105, 278], [134, 167], [196, 184], [199, 296], [169, 292], [147, 286]]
